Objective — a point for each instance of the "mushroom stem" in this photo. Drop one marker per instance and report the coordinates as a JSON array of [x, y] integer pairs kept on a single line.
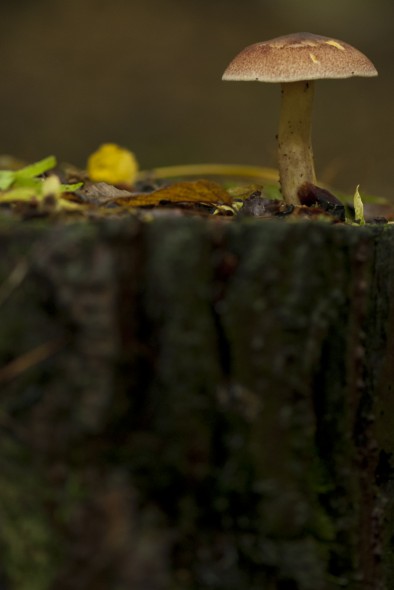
[[295, 154]]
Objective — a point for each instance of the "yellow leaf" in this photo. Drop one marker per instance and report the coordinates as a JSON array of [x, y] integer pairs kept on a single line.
[[112, 164], [358, 207]]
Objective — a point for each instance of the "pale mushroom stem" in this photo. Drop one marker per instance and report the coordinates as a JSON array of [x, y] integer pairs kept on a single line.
[[295, 154]]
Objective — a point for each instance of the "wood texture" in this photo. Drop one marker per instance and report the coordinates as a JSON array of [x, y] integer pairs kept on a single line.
[[190, 404]]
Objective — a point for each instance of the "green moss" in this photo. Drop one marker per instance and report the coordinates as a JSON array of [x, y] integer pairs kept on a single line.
[[29, 547]]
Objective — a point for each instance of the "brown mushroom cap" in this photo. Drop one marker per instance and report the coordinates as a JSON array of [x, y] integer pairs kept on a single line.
[[300, 56]]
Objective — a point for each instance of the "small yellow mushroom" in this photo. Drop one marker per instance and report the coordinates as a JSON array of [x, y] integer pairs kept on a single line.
[[112, 164]]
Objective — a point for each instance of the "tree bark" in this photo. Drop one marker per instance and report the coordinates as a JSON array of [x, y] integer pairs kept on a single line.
[[190, 404]]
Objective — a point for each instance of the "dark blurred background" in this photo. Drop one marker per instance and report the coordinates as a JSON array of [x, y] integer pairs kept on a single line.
[[147, 74]]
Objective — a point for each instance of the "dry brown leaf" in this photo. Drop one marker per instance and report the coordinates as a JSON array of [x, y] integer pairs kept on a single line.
[[101, 193], [199, 191]]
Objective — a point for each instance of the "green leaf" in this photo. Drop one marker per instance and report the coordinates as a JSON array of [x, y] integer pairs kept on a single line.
[[6, 179], [25, 177], [22, 182], [18, 194], [37, 168]]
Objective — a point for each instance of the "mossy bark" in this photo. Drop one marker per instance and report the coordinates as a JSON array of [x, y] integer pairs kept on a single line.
[[191, 404]]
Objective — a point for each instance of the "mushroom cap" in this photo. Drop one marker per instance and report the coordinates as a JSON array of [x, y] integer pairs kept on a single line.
[[300, 56]]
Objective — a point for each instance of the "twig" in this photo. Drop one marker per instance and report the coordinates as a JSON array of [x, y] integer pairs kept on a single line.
[[30, 359]]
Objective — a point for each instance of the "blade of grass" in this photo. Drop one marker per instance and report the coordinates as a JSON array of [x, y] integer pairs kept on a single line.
[[263, 174]]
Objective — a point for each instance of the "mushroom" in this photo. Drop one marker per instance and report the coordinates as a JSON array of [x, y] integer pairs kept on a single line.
[[295, 61]]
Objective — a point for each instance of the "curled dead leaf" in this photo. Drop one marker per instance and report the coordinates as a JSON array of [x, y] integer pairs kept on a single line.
[[199, 191]]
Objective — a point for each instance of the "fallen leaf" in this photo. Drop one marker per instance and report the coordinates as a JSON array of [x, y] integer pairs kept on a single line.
[[101, 193], [199, 191], [25, 176], [36, 169], [311, 195]]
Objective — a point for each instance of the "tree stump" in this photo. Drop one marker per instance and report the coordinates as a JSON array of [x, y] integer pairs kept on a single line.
[[191, 404]]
